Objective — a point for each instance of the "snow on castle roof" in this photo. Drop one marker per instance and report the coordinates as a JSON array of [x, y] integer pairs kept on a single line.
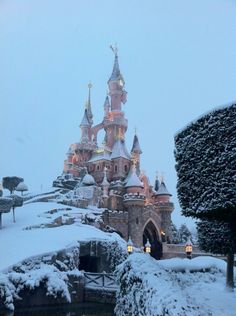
[[88, 179], [163, 190], [119, 150], [101, 156], [134, 180]]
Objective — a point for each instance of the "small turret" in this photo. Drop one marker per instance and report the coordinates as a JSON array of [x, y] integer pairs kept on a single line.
[[136, 147], [106, 106], [136, 152], [105, 184], [134, 184], [157, 183], [162, 194], [88, 105], [85, 128]]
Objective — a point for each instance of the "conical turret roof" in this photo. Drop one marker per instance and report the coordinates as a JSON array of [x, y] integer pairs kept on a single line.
[[136, 146], [116, 75], [163, 190], [119, 150], [85, 119], [88, 105], [133, 180], [107, 102]]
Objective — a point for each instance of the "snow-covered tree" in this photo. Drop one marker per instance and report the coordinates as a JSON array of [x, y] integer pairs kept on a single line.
[[5, 207], [206, 167], [21, 187], [10, 183], [17, 202], [175, 234], [183, 234]]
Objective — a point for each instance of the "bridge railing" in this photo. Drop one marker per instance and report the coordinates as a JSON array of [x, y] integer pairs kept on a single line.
[[100, 280]]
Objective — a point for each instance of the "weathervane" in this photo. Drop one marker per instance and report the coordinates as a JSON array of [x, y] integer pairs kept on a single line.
[[114, 48]]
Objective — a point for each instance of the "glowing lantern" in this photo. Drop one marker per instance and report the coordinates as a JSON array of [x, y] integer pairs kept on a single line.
[[189, 249], [148, 247], [130, 246]]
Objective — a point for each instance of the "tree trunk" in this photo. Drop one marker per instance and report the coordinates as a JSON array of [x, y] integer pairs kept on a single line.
[[14, 218], [230, 271]]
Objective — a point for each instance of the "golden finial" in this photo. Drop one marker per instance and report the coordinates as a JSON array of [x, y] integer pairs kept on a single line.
[[135, 130], [114, 48]]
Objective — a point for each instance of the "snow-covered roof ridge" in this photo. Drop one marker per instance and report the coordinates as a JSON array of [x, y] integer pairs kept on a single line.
[[100, 156], [119, 150], [217, 108]]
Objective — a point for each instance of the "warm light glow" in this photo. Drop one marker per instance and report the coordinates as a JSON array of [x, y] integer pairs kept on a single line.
[[188, 248], [163, 233], [99, 151], [130, 246], [148, 247]]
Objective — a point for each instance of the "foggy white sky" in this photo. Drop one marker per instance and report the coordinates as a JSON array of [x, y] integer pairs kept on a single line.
[[178, 58]]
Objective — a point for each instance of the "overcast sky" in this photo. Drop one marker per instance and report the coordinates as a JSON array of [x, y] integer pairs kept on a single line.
[[178, 58]]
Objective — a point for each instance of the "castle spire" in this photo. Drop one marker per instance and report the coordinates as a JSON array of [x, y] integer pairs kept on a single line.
[[136, 146], [88, 105], [115, 75], [106, 106], [85, 127]]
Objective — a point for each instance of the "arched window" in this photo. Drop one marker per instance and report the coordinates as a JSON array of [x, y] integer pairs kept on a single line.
[[97, 168], [116, 168], [126, 168]]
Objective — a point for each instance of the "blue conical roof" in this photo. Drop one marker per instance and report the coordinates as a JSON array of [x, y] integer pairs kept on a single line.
[[85, 119], [136, 147]]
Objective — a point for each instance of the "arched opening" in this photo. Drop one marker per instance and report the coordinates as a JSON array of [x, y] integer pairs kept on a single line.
[[150, 233]]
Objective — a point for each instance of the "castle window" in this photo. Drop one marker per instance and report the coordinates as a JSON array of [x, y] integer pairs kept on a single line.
[[126, 168], [97, 168], [137, 220], [116, 168]]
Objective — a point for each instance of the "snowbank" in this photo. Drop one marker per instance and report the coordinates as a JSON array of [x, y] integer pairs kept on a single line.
[[34, 232]]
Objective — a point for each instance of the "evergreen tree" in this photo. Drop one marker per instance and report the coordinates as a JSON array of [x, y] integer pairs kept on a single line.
[[184, 234], [175, 234], [205, 153]]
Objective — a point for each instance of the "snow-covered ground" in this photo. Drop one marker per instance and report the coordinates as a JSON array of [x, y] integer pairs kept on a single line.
[[30, 236], [174, 287]]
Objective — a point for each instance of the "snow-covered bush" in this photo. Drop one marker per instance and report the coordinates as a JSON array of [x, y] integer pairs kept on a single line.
[[116, 253], [176, 287]]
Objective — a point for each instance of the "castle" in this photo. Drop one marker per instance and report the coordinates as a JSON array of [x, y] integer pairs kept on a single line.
[[133, 207]]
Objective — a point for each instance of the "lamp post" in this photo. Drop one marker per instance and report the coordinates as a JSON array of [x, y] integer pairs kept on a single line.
[[189, 249], [130, 246], [148, 247]]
